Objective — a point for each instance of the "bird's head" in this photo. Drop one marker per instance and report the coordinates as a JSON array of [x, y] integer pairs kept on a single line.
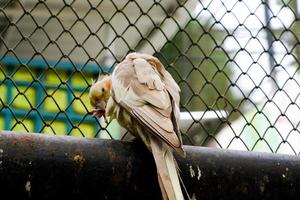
[[99, 94]]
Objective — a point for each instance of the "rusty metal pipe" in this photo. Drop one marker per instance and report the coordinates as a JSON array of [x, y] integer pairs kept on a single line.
[[34, 166]]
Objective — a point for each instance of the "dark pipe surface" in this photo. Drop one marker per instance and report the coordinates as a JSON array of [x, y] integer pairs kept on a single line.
[[34, 166]]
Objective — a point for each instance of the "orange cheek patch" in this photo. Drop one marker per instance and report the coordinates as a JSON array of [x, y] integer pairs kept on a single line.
[[108, 84]]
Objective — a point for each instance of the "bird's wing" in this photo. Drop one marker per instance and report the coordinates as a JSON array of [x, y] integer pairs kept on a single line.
[[150, 96]]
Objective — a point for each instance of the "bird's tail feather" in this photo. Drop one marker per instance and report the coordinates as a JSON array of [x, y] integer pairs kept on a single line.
[[166, 170]]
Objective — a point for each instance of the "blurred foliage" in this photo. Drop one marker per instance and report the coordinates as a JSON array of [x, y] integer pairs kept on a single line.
[[199, 63]]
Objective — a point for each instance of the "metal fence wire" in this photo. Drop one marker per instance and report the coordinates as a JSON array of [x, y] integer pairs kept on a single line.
[[236, 63]]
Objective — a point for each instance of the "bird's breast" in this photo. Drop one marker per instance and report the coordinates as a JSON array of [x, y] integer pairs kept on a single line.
[[125, 120]]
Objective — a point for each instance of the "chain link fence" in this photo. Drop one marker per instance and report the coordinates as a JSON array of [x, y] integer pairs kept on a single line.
[[235, 61]]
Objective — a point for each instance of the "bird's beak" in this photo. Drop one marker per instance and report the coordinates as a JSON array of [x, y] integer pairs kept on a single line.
[[99, 111]]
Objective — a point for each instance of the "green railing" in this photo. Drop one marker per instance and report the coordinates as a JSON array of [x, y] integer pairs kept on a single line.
[[47, 97]]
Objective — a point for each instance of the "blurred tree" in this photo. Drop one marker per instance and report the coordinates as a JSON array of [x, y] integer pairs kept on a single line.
[[199, 63], [295, 29]]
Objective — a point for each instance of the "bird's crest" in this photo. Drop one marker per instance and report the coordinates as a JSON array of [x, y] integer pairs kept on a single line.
[[101, 76]]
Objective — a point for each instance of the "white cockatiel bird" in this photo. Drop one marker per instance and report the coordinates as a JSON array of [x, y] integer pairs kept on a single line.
[[144, 98]]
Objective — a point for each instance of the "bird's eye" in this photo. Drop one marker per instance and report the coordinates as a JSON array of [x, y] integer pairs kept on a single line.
[[103, 90]]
